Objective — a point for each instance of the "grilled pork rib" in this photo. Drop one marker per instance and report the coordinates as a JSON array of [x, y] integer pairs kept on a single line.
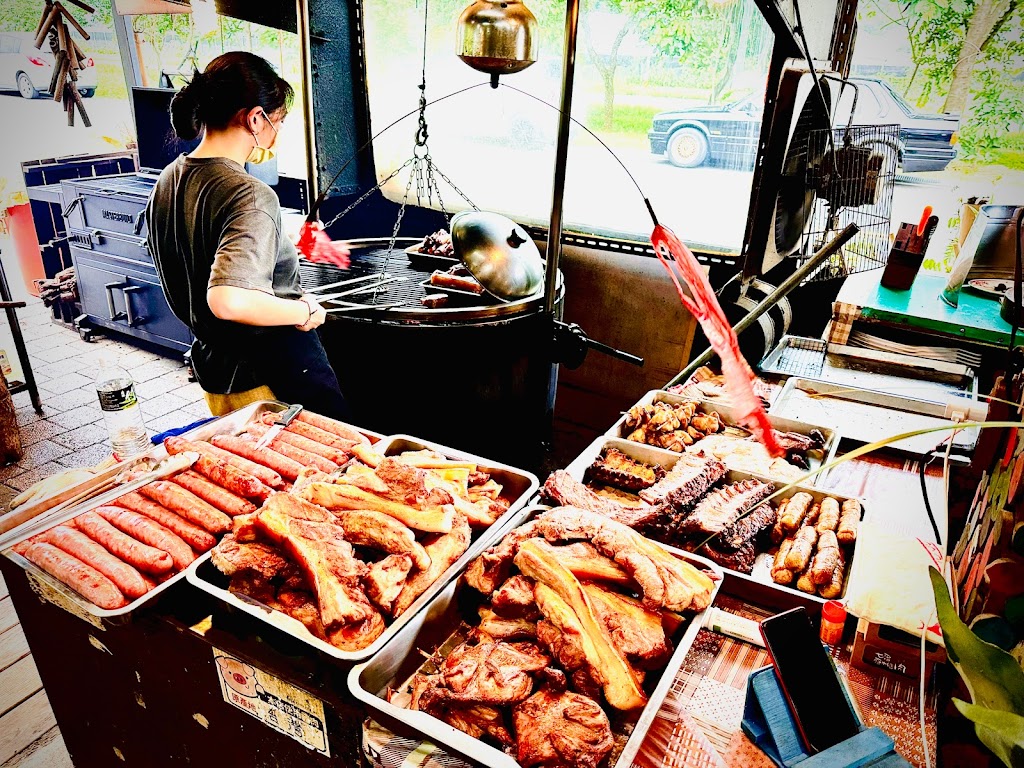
[[615, 468], [565, 491], [721, 507]]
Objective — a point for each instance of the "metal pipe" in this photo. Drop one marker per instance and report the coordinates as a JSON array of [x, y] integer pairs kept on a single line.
[[554, 246], [305, 63], [773, 298]]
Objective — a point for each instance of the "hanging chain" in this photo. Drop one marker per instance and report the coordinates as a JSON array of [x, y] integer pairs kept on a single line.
[[394, 237], [369, 192]]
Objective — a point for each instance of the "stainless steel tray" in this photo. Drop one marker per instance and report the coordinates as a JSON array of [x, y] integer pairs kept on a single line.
[[521, 485], [867, 416], [918, 378], [761, 575], [432, 626], [233, 423], [729, 417]]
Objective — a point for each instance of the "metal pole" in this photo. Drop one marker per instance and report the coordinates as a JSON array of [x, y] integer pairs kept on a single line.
[[302, 21], [554, 247], [773, 298]]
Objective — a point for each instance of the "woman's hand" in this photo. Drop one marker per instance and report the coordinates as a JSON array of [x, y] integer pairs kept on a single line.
[[317, 314]]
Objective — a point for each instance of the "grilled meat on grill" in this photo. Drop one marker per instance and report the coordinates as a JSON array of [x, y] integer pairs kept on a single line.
[[721, 507], [616, 469], [563, 490]]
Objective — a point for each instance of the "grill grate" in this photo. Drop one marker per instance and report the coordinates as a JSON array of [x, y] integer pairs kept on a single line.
[[800, 357], [369, 260]]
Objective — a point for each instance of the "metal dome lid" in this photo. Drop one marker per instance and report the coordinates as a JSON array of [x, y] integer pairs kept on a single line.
[[499, 253]]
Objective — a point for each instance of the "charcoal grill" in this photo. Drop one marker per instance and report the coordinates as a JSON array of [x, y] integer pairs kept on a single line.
[[476, 373]]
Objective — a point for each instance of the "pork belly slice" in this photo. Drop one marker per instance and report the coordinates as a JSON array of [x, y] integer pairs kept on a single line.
[[231, 557], [634, 630], [368, 528]]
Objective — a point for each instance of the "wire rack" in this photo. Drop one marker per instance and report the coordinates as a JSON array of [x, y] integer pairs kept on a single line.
[[797, 356], [857, 188]]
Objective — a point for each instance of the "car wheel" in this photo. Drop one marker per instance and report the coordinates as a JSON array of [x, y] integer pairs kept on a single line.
[[687, 148], [25, 87], [87, 93]]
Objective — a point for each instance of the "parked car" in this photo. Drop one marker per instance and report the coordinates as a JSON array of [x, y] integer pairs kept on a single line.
[[28, 71], [727, 135]]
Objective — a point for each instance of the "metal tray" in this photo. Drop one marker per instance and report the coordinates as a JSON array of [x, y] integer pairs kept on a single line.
[[522, 486], [917, 378], [761, 575], [429, 261], [729, 417], [434, 625], [232, 423], [867, 416]]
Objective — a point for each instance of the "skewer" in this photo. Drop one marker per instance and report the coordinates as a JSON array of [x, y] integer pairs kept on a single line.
[[349, 281], [362, 289]]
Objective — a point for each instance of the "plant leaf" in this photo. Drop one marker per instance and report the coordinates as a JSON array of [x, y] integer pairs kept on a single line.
[[1001, 732], [993, 678]]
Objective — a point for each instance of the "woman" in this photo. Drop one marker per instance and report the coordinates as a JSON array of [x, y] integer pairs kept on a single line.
[[228, 271]]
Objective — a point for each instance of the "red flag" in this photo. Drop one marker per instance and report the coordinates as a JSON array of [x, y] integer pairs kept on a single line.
[[315, 245]]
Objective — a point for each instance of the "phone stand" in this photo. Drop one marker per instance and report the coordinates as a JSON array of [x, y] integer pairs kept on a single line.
[[768, 722]]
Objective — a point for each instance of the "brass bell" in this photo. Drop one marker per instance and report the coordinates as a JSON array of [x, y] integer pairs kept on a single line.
[[497, 37]]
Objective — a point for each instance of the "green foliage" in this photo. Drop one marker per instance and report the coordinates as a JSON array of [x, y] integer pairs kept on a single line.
[[23, 15], [629, 118], [993, 678]]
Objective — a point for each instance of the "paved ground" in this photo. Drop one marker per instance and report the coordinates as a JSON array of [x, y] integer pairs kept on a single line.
[[70, 431]]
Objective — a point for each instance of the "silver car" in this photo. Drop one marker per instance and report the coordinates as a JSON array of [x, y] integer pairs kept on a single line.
[[27, 70]]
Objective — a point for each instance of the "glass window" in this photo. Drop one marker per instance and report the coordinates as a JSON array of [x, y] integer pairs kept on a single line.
[[961, 131], [171, 46], [678, 98]]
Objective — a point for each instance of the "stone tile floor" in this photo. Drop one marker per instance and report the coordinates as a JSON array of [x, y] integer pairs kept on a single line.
[[70, 432]]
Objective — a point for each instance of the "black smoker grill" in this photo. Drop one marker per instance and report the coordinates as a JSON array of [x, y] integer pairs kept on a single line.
[[477, 374]]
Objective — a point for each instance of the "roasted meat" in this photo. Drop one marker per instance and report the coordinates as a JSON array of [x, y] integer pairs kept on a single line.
[[562, 489], [741, 559], [479, 720], [559, 594], [232, 557], [316, 543], [748, 455], [366, 528], [514, 599], [502, 628], [634, 630], [443, 551], [721, 507], [556, 728], [430, 518], [488, 673], [488, 571], [689, 479], [615, 468], [745, 530], [359, 634], [385, 580]]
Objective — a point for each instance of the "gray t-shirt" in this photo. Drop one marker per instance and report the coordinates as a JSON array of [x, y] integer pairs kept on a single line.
[[210, 223]]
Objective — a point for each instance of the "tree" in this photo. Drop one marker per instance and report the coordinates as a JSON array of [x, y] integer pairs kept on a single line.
[[607, 64], [986, 17]]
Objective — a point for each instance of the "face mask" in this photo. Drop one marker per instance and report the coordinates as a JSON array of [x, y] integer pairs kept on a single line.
[[261, 154]]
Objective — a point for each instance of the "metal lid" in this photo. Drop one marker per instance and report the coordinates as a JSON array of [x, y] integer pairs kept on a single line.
[[499, 253]]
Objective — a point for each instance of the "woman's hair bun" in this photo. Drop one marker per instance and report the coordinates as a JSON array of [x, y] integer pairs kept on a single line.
[[185, 108]]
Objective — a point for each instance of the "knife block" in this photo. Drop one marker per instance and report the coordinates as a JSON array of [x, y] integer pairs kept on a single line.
[[769, 723]]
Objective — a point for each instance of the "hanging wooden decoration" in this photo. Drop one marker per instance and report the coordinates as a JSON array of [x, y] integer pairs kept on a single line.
[[68, 57]]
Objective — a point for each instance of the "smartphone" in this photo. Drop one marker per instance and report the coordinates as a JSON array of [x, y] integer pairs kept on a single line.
[[809, 680]]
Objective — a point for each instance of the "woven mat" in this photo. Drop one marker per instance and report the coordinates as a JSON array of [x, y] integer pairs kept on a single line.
[[698, 726]]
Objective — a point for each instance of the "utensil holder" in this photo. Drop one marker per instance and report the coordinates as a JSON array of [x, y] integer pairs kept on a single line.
[[769, 723]]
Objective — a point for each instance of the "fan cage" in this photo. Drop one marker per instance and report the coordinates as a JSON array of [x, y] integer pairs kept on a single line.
[[866, 171]]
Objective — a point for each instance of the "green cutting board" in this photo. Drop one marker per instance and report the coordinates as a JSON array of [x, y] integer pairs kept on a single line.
[[976, 318]]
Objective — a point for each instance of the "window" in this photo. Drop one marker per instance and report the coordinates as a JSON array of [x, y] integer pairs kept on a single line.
[[678, 98], [9, 44], [171, 46], [962, 135]]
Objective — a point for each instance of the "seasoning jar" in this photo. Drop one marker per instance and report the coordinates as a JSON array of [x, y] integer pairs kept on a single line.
[[833, 619]]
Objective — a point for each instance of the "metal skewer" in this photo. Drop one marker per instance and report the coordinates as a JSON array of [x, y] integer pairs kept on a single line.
[[350, 281]]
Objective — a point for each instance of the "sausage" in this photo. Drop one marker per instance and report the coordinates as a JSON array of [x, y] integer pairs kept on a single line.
[[336, 455], [798, 505], [446, 280], [191, 534], [83, 578], [286, 448], [801, 549], [232, 479], [144, 557], [829, 517], [265, 475], [287, 468], [849, 520], [221, 498], [149, 532], [188, 505], [333, 426], [834, 588], [320, 436], [127, 579], [825, 559], [780, 573]]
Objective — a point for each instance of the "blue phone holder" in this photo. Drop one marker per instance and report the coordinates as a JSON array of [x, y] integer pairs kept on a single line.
[[768, 722]]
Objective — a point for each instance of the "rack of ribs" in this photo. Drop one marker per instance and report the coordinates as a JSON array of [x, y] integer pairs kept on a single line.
[[566, 491], [723, 506]]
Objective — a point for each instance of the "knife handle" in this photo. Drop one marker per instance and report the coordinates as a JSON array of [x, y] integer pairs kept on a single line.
[[287, 416]]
